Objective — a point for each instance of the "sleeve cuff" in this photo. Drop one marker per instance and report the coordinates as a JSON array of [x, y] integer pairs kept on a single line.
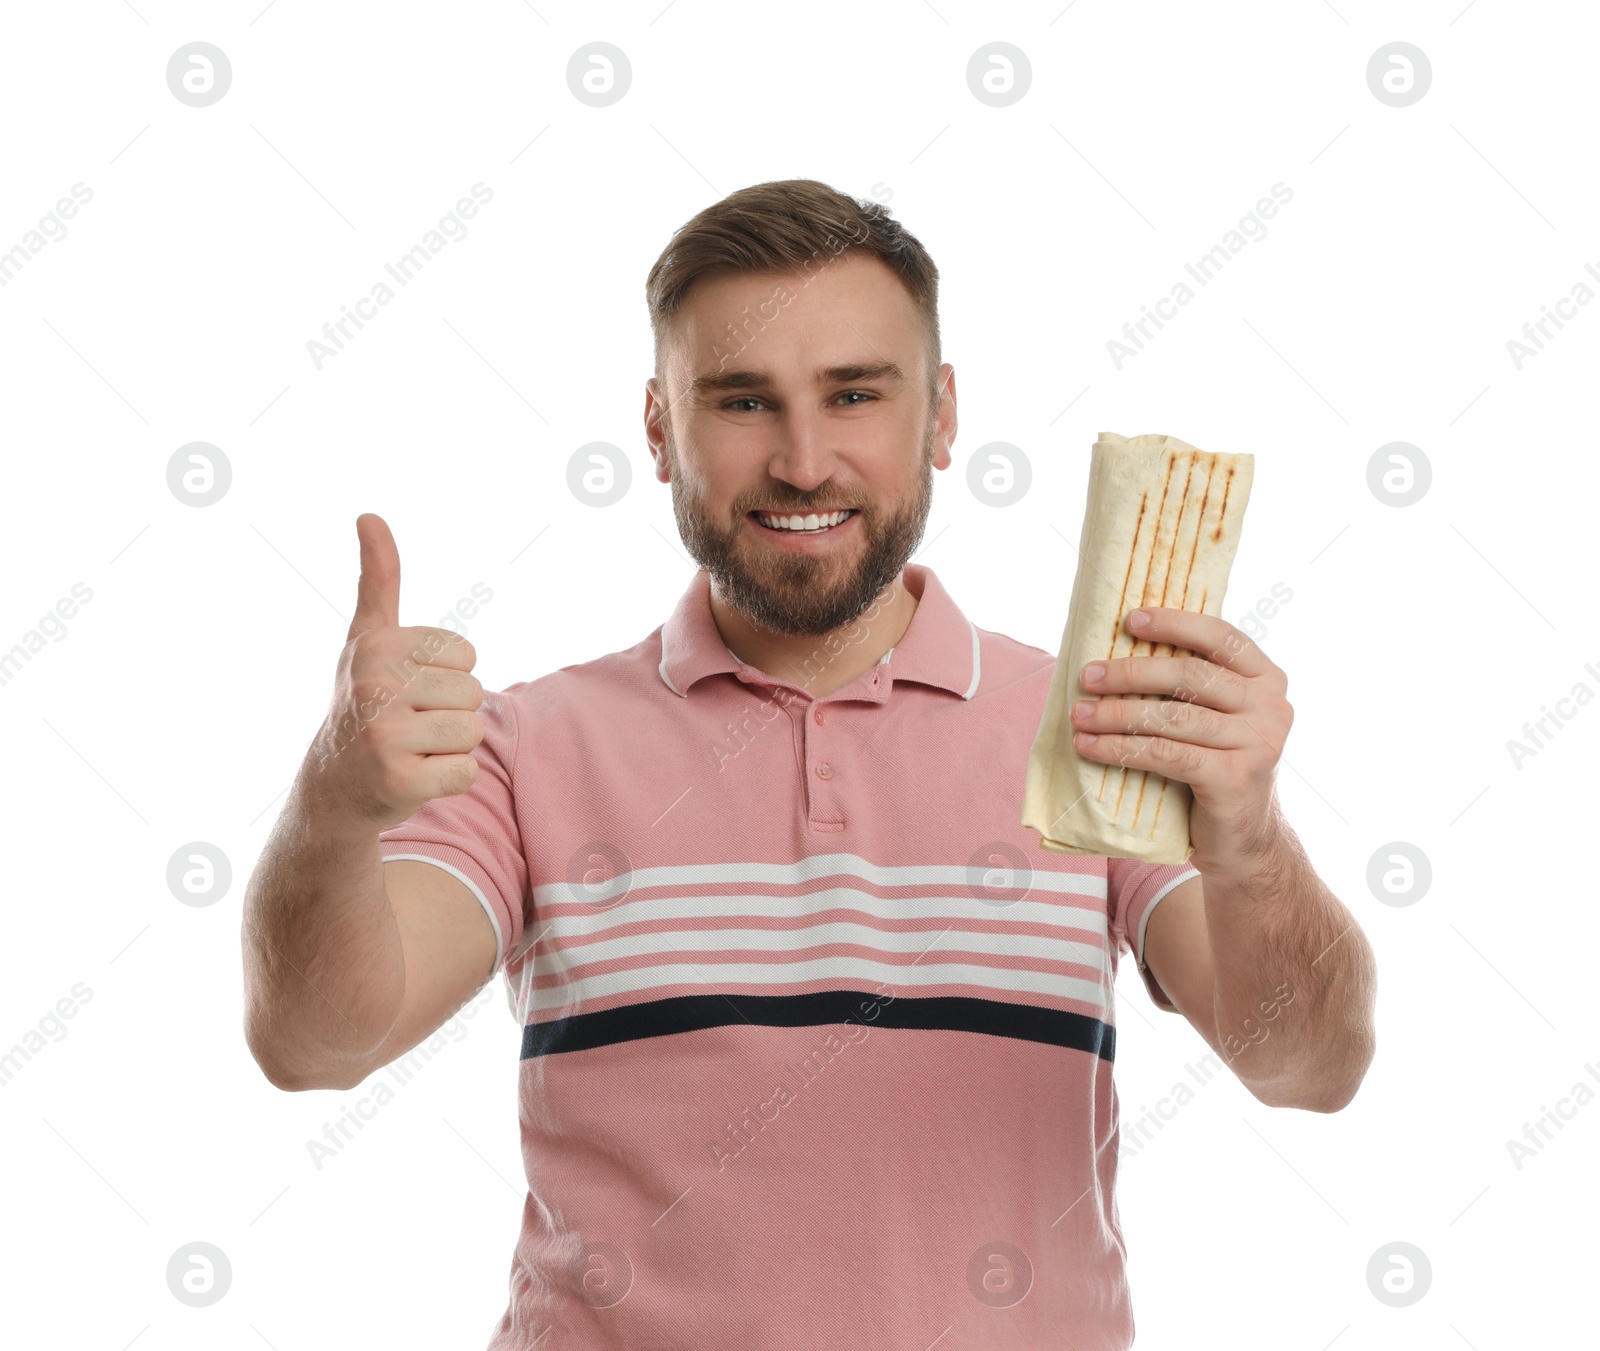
[[475, 889], [1157, 994]]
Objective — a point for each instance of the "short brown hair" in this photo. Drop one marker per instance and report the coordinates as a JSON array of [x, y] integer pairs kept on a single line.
[[783, 226]]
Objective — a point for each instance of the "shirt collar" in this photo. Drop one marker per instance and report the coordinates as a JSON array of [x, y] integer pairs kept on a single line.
[[939, 646]]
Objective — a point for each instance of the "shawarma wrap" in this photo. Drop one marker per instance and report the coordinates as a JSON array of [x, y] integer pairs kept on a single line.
[[1160, 527]]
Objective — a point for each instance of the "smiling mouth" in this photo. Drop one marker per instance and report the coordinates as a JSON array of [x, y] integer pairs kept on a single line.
[[820, 529]]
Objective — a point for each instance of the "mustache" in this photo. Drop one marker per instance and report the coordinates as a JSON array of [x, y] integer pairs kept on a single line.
[[805, 510]]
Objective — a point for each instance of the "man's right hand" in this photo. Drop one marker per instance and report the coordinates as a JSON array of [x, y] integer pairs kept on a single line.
[[403, 720]]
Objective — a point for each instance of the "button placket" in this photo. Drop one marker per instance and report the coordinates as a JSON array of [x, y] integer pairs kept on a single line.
[[821, 774]]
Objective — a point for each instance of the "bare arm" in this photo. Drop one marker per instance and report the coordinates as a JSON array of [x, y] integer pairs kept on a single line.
[[388, 969], [323, 960], [1233, 951], [343, 958]]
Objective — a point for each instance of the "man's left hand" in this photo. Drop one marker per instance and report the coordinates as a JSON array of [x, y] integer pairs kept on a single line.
[[1220, 727]]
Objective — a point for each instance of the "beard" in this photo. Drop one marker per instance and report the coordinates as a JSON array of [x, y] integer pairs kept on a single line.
[[803, 594]]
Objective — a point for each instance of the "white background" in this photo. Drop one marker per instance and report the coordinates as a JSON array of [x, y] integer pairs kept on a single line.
[[180, 698]]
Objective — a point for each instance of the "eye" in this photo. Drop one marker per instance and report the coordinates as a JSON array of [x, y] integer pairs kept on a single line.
[[732, 404]]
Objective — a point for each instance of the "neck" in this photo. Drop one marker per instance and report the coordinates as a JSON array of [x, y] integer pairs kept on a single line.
[[828, 661]]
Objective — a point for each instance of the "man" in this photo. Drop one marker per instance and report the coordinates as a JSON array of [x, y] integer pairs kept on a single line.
[[817, 1041]]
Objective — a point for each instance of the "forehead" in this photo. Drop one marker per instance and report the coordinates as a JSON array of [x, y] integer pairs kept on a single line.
[[844, 310]]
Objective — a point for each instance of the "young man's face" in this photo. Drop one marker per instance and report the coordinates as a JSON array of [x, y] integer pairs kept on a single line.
[[792, 415]]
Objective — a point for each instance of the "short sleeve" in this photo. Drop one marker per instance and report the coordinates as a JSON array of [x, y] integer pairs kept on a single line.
[[1132, 892], [474, 835]]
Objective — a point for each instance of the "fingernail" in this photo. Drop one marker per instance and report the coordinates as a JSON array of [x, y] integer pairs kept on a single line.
[[1093, 672], [1138, 619]]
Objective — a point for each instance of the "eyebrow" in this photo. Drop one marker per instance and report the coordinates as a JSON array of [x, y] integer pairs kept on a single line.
[[853, 373]]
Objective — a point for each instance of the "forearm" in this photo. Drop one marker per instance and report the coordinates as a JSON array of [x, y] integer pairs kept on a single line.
[[1295, 978], [324, 969]]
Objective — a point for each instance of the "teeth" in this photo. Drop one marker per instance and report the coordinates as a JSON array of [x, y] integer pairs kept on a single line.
[[812, 522]]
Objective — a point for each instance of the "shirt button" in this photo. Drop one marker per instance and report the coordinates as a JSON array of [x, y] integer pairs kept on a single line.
[[817, 715], [824, 771]]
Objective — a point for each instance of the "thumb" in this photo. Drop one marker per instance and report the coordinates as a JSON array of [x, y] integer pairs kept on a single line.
[[378, 595]]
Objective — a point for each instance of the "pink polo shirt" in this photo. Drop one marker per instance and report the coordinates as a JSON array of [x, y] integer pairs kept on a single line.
[[817, 1040]]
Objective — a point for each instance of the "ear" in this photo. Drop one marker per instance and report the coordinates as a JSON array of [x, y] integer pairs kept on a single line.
[[946, 416], [655, 411]]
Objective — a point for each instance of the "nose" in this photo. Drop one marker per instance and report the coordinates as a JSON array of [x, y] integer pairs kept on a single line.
[[801, 454]]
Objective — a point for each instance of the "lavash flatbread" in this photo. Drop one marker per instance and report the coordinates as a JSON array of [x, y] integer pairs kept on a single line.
[[1160, 527]]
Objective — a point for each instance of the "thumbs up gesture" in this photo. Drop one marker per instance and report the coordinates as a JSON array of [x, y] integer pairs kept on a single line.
[[403, 721]]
